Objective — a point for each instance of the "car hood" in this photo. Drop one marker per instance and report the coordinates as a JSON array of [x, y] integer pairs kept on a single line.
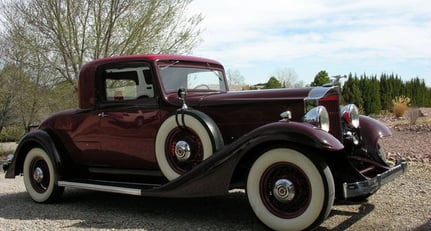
[[199, 99]]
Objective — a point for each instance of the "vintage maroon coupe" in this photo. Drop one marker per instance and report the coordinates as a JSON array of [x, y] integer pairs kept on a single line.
[[167, 126]]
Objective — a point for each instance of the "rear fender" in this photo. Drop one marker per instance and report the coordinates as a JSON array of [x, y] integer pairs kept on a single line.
[[36, 138], [371, 131]]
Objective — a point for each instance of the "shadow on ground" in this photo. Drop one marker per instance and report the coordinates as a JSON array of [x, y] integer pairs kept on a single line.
[[96, 210], [349, 218], [90, 209]]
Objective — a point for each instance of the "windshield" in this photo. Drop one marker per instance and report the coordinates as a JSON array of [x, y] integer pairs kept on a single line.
[[192, 78]]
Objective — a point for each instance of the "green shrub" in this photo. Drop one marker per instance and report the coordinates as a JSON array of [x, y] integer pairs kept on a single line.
[[11, 134]]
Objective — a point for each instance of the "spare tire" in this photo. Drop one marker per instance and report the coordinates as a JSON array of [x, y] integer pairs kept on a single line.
[[184, 140]]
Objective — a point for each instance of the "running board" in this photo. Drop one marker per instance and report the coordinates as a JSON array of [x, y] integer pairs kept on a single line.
[[102, 187]]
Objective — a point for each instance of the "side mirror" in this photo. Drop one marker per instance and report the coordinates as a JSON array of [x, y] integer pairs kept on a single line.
[[182, 93]]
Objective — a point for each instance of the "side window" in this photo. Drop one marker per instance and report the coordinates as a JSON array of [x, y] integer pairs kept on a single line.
[[121, 85], [120, 89], [128, 84]]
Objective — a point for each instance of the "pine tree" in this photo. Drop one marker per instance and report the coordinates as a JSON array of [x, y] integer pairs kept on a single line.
[[385, 93], [351, 91], [375, 106]]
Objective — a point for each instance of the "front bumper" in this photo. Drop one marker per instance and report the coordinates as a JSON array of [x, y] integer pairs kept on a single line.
[[367, 187]]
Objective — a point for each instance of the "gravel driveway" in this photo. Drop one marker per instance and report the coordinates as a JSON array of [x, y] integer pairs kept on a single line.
[[404, 204]]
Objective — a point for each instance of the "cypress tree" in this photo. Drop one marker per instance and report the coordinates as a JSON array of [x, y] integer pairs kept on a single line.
[[352, 91]]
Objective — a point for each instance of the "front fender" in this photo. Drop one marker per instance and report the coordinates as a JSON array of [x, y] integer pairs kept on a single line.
[[213, 176], [300, 133], [36, 138], [371, 131]]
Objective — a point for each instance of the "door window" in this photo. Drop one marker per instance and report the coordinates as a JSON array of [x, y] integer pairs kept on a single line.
[[128, 84]]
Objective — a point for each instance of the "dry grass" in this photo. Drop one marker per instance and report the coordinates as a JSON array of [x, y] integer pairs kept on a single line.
[[401, 104], [6, 149], [413, 114], [400, 109]]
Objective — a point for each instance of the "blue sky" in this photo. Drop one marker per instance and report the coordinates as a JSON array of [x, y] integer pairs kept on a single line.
[[261, 38]]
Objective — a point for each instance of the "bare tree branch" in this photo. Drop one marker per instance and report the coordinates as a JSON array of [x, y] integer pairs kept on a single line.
[[69, 33]]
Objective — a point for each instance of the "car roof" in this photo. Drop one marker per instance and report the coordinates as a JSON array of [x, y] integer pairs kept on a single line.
[[149, 57], [86, 83]]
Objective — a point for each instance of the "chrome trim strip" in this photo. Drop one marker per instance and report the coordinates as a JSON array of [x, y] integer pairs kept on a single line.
[[373, 184], [124, 172], [319, 92], [316, 93], [102, 188]]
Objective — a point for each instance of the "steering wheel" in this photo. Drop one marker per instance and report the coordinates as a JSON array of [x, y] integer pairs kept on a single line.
[[202, 85]]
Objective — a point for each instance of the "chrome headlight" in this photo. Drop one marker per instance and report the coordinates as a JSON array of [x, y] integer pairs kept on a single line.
[[350, 115], [319, 117]]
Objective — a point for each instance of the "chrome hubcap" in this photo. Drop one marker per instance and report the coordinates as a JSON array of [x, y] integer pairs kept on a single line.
[[38, 175], [182, 150], [284, 190]]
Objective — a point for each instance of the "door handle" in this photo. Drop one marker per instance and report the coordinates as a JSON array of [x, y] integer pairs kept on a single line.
[[102, 114]]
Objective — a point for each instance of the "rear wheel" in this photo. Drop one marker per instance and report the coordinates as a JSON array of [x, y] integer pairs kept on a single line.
[[289, 191], [40, 177]]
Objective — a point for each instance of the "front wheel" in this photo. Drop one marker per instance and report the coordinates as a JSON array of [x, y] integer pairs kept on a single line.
[[40, 177], [287, 190]]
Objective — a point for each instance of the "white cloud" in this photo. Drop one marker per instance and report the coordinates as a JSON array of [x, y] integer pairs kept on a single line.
[[258, 37]]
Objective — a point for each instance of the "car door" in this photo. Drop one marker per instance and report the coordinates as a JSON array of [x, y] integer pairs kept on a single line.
[[129, 117]]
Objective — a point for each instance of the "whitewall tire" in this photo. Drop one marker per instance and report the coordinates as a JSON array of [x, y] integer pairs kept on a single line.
[[180, 148], [288, 191], [40, 177]]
